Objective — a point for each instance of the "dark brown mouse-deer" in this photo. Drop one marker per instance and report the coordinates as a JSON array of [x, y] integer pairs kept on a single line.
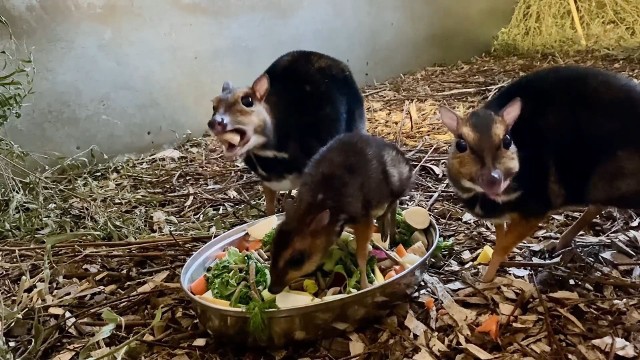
[[301, 102], [557, 138], [356, 179]]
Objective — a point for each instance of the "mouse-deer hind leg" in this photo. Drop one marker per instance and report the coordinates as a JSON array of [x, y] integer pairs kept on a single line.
[[566, 239]]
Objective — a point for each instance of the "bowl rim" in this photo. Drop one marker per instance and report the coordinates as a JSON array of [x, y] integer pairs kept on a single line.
[[299, 309]]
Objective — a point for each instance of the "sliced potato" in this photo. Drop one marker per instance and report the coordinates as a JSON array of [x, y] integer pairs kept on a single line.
[[418, 236], [417, 217], [411, 259], [377, 239], [231, 137], [417, 249], [259, 230], [208, 297], [291, 298]]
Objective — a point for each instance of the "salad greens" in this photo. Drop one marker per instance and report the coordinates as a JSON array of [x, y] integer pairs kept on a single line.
[[267, 240], [404, 232]]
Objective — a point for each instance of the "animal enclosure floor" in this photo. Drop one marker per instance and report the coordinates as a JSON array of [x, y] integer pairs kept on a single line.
[[105, 246]]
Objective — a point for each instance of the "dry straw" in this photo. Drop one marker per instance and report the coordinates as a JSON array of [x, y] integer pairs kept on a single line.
[[571, 25]]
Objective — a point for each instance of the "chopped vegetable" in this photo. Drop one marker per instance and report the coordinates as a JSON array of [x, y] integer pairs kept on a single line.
[[267, 239], [417, 249], [378, 276], [411, 259], [199, 286], [401, 251], [379, 254], [257, 319], [259, 230], [254, 245], [404, 231], [484, 256], [209, 298], [310, 286], [491, 325], [290, 298], [417, 217], [377, 239], [398, 269], [220, 255], [429, 303], [231, 137], [389, 275]]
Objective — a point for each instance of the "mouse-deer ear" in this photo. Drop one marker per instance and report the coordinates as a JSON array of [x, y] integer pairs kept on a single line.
[[511, 112], [321, 220], [260, 86], [226, 87], [449, 118]]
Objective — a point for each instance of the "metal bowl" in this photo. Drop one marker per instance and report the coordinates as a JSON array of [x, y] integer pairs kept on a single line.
[[303, 323]]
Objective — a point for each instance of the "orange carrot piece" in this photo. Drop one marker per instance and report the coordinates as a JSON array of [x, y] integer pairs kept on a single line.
[[221, 255], [398, 269], [254, 245], [429, 303], [401, 251], [389, 275], [199, 286], [491, 326]]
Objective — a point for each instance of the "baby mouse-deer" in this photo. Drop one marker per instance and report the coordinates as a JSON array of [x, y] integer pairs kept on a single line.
[[354, 180], [300, 102], [556, 138]]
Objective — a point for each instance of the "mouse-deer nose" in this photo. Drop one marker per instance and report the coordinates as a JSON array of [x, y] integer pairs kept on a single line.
[[492, 181], [495, 177], [217, 124]]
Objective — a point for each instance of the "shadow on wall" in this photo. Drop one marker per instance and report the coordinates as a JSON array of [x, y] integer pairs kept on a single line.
[[136, 76]]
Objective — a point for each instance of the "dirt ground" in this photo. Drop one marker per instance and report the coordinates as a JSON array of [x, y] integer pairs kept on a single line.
[[96, 253]]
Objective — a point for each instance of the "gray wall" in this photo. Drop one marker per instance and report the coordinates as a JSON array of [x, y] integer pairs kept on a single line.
[[134, 75]]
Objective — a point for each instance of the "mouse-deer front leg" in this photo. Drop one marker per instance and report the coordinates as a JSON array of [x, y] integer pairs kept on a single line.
[[363, 231], [507, 238], [270, 200]]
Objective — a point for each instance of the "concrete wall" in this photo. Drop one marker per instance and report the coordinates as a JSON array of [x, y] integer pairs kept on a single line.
[[133, 75]]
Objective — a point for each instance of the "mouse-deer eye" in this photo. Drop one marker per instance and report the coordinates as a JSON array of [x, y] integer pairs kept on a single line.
[[461, 145], [507, 142], [297, 260], [246, 101]]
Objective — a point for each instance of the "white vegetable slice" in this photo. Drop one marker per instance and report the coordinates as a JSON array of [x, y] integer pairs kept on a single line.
[[411, 259], [378, 275], [259, 230], [333, 297], [417, 217], [377, 239], [209, 298], [417, 249], [417, 237], [231, 137], [291, 298]]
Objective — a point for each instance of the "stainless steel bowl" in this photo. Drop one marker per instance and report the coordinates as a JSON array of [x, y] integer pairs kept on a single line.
[[320, 320]]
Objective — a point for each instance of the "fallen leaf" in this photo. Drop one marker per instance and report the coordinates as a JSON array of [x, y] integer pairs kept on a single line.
[[572, 318], [622, 346], [478, 352], [199, 342], [153, 282], [169, 153], [64, 355], [523, 273], [414, 324], [565, 295], [460, 314], [423, 355], [356, 346], [491, 325]]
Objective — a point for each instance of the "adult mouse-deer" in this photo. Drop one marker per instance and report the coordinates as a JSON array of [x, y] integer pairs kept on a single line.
[[559, 137], [356, 179], [301, 102]]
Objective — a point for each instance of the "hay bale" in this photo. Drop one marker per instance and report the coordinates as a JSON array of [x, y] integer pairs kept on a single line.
[[540, 26]]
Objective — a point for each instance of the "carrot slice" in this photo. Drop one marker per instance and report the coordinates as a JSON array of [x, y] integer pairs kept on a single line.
[[221, 255], [199, 286], [254, 245], [401, 251], [389, 275], [491, 326], [429, 303]]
